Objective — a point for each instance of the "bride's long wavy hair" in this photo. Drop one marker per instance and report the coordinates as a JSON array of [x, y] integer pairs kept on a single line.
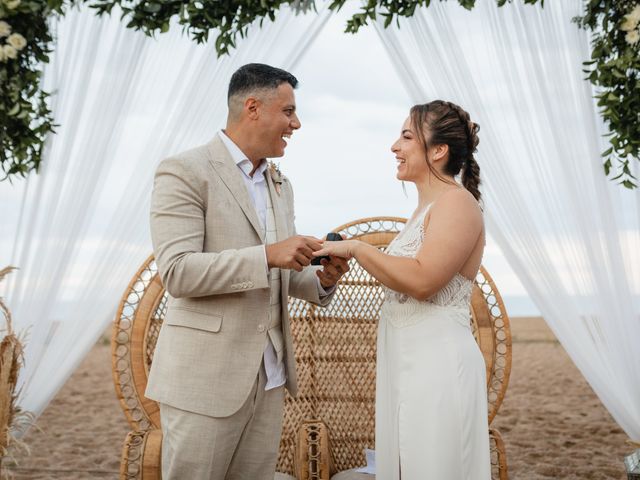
[[445, 123]]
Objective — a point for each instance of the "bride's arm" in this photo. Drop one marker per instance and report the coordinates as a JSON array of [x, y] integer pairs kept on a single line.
[[454, 228]]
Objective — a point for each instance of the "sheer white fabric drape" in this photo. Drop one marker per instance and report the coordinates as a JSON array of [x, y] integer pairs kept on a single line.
[[571, 235], [124, 101]]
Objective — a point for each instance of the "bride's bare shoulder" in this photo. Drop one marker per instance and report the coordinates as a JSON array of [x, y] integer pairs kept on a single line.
[[456, 202]]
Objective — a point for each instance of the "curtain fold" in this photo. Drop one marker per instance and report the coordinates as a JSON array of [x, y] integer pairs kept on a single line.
[[571, 235], [124, 102]]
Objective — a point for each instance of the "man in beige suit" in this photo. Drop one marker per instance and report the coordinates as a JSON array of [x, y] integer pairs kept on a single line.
[[228, 254]]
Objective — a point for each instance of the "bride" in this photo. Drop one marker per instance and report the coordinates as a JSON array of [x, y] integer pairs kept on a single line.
[[431, 395]]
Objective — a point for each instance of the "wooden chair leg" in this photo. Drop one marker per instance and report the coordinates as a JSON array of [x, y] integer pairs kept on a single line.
[[313, 453], [141, 456], [499, 469]]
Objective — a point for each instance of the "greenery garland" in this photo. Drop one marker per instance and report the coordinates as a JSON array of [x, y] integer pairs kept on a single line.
[[614, 69], [25, 119]]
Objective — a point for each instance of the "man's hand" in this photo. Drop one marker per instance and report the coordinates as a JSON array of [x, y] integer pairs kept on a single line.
[[332, 271], [294, 253]]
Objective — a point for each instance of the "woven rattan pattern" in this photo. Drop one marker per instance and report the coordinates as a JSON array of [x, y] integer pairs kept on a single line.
[[335, 350], [133, 449], [123, 365]]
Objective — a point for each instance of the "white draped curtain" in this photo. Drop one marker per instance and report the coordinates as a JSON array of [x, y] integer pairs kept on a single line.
[[123, 101], [571, 235]]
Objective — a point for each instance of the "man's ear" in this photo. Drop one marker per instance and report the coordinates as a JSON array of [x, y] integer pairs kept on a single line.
[[252, 107]]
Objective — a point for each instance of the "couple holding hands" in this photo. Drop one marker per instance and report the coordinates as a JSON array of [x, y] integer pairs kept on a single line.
[[222, 225]]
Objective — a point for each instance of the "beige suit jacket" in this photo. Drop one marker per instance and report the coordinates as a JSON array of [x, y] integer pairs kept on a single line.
[[208, 245]]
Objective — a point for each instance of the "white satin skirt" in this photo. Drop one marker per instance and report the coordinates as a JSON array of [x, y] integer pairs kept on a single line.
[[431, 396]]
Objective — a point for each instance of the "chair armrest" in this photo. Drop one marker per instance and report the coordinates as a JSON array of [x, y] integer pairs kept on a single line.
[[498, 456], [141, 456], [313, 453]]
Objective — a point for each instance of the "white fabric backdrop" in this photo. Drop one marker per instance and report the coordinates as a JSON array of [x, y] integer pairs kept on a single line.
[[571, 236], [124, 101]]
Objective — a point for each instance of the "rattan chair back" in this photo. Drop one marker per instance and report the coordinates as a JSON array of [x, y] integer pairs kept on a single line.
[[335, 349]]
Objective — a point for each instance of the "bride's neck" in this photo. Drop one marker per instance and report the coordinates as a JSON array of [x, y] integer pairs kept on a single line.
[[430, 189]]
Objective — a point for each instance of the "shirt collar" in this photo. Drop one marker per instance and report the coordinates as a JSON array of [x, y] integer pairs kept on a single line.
[[240, 158]]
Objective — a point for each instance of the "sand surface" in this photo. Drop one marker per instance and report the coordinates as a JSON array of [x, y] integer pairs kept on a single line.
[[551, 421]]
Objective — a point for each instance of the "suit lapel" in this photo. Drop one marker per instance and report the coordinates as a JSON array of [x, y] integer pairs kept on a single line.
[[281, 234], [227, 170], [276, 200]]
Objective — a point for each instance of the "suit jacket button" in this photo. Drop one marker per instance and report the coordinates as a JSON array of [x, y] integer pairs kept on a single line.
[[261, 328]]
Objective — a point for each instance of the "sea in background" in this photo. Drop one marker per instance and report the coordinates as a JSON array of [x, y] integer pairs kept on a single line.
[[520, 306]]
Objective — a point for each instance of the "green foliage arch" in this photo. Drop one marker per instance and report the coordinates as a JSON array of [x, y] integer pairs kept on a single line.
[[25, 118]]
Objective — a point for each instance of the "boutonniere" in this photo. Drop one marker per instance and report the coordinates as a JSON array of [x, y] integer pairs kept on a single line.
[[276, 176]]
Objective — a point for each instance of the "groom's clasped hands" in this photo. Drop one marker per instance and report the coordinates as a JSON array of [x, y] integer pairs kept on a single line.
[[298, 251]]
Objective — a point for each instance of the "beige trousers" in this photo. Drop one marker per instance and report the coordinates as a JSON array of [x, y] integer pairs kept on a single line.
[[243, 446]]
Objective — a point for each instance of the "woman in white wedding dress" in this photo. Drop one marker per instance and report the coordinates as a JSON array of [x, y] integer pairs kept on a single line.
[[431, 394]]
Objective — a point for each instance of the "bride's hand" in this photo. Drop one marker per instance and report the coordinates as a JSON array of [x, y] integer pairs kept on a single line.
[[345, 249]]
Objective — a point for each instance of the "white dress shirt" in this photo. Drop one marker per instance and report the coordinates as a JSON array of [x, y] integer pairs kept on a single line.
[[257, 188]]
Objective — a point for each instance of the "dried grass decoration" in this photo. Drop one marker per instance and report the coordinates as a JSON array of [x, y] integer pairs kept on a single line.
[[12, 417]]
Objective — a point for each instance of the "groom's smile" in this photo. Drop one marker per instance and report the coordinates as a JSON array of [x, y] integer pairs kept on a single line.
[[286, 135], [278, 121]]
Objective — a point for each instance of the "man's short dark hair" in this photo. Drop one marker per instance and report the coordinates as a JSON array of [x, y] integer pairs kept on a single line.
[[254, 76]]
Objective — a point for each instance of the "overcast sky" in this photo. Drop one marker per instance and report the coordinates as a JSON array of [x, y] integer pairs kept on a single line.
[[340, 161]]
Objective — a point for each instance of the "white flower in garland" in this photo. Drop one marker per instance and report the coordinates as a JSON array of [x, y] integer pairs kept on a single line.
[[3, 57], [10, 52], [631, 20], [12, 4], [632, 37], [5, 29], [17, 41]]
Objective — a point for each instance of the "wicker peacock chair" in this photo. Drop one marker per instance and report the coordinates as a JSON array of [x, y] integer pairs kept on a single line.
[[328, 426]]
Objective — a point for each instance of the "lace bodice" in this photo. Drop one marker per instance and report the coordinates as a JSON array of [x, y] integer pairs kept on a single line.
[[457, 293]]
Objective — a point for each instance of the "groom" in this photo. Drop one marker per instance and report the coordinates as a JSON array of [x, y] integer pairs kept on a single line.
[[228, 254]]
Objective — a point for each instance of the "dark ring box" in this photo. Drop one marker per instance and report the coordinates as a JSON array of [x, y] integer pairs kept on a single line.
[[331, 237]]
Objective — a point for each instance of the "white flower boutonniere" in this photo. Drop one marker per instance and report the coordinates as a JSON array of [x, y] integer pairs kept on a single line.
[[276, 176]]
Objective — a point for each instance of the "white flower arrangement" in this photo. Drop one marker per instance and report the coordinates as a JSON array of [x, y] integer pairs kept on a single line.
[[10, 52], [17, 41], [26, 40], [630, 25], [12, 4], [5, 29]]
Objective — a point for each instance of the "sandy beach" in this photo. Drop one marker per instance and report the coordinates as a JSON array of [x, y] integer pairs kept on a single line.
[[551, 421]]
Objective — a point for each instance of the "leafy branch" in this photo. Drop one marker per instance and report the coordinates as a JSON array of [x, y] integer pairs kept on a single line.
[[25, 118], [198, 17], [392, 10], [614, 70]]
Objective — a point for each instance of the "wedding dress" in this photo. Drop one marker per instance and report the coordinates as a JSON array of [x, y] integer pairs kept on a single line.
[[431, 392]]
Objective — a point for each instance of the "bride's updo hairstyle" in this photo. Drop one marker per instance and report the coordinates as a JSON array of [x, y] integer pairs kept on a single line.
[[445, 123]]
